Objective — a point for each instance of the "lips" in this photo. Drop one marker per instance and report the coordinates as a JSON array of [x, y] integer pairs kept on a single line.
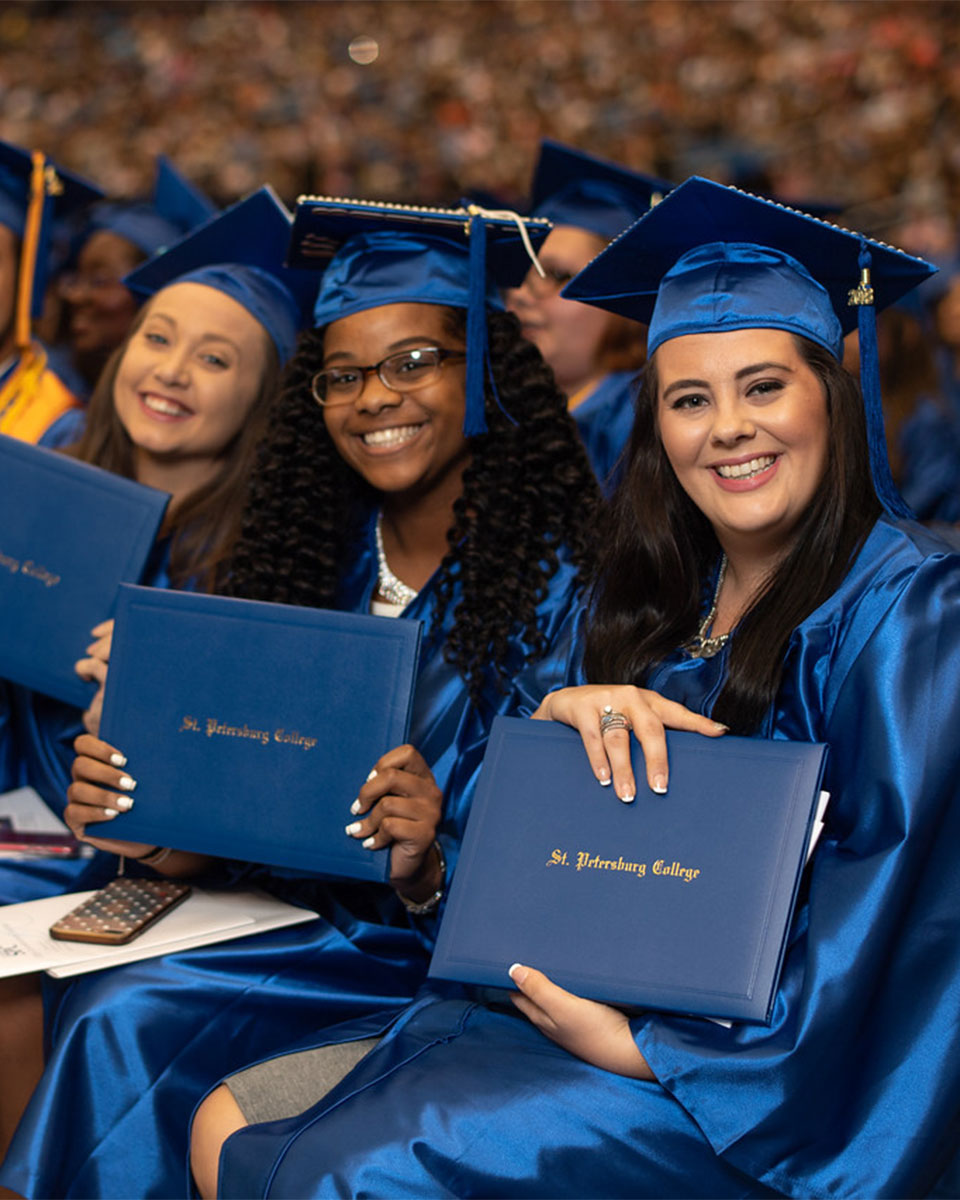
[[164, 407], [744, 470], [390, 438]]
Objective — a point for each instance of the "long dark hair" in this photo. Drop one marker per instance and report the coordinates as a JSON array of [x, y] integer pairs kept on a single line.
[[527, 490], [649, 593], [204, 525]]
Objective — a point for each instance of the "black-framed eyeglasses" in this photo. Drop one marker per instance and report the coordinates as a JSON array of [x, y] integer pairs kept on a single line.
[[404, 371]]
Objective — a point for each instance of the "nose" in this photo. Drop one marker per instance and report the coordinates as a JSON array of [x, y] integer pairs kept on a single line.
[[374, 393], [732, 422], [172, 369]]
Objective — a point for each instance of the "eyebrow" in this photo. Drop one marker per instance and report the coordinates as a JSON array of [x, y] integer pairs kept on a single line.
[[417, 339], [204, 337], [754, 369]]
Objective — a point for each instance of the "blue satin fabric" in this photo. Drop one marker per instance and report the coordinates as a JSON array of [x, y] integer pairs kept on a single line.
[[930, 450], [36, 748], [604, 420], [131, 1050], [854, 1088]]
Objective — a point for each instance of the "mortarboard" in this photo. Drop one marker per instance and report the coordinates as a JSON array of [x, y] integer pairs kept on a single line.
[[374, 254], [240, 252], [33, 193], [574, 188], [711, 258], [175, 208]]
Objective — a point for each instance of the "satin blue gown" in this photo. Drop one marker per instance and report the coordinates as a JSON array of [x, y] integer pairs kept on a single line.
[[854, 1088], [36, 749], [604, 420], [131, 1050]]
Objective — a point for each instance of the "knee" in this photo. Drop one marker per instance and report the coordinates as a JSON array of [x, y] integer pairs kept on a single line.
[[216, 1118]]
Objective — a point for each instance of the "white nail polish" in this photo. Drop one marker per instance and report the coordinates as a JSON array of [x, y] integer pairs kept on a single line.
[[367, 842], [118, 760], [124, 803], [660, 789], [628, 798], [126, 783], [353, 829], [604, 782], [372, 775], [355, 806], [109, 813]]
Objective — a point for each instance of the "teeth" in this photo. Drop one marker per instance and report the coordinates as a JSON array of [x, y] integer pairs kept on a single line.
[[745, 470], [169, 408], [391, 437]]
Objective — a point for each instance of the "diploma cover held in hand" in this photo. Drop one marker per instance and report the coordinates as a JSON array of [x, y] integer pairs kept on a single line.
[[251, 727], [69, 534], [679, 902]]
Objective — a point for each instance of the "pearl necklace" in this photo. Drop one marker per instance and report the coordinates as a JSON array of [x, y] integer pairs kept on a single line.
[[388, 585], [702, 646]]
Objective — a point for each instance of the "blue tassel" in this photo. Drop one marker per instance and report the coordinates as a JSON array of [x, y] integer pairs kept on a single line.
[[883, 483], [475, 421]]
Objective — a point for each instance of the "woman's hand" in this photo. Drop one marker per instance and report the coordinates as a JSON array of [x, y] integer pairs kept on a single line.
[[596, 1033], [94, 667], [402, 804], [100, 790], [649, 713]]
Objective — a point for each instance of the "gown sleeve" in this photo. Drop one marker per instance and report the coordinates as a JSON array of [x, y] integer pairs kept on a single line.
[[854, 1088]]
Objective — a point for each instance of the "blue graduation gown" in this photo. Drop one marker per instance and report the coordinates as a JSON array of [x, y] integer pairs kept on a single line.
[[37, 734], [604, 420], [854, 1088], [132, 1049]]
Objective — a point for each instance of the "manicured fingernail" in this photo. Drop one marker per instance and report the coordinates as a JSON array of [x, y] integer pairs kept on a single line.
[[126, 783], [723, 728], [118, 760], [353, 829], [355, 806], [109, 813], [603, 777], [367, 842], [627, 796], [372, 775], [124, 803], [517, 973], [660, 784]]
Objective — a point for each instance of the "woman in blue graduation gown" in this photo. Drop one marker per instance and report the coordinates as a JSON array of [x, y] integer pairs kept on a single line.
[[595, 356], [413, 486], [800, 603], [207, 483]]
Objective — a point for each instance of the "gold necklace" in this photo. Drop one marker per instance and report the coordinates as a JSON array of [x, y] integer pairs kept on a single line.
[[702, 646]]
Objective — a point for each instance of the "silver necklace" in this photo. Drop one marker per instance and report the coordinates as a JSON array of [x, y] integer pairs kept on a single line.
[[702, 646], [388, 585]]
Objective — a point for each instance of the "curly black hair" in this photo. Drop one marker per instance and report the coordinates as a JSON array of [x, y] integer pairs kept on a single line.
[[528, 490]]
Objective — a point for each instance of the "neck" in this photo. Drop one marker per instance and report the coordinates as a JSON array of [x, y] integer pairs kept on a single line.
[[180, 477], [415, 531], [745, 577]]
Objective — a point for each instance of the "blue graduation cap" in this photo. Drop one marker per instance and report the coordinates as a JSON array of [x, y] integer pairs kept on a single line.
[[175, 208], [34, 192], [574, 188], [240, 252], [711, 258], [373, 254]]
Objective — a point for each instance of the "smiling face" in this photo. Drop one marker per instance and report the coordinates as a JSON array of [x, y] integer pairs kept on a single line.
[[101, 308], [190, 374], [402, 443], [744, 422], [568, 334]]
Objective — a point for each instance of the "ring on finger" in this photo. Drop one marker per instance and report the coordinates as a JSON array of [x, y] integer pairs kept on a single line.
[[609, 719]]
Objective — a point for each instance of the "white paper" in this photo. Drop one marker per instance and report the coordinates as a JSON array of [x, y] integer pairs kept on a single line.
[[28, 812], [26, 944]]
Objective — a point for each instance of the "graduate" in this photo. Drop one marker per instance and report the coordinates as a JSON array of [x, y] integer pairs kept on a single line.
[[595, 355], [34, 192], [119, 236], [180, 407], [420, 462], [760, 575]]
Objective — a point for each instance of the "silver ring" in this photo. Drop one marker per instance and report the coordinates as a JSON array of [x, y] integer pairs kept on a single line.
[[613, 720]]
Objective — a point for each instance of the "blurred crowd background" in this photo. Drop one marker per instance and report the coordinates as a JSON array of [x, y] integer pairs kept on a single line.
[[856, 103]]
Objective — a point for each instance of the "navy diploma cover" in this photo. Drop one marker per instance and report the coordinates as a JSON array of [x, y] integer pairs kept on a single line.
[[679, 902], [69, 534], [250, 727]]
